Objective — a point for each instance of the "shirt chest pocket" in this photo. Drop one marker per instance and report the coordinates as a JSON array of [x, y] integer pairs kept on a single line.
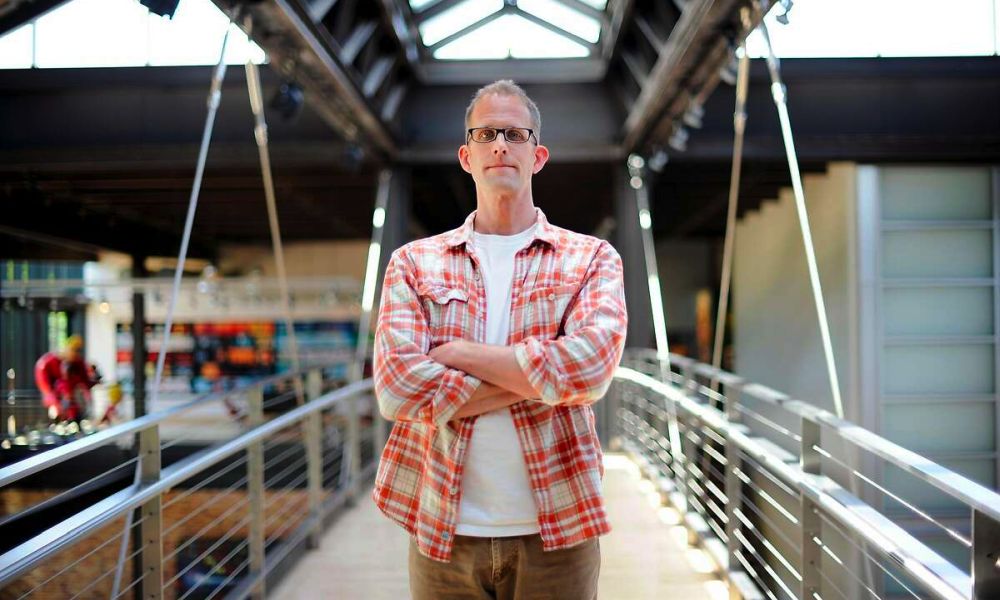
[[544, 310], [448, 313]]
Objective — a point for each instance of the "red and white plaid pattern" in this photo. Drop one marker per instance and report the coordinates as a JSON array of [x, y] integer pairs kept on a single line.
[[567, 328]]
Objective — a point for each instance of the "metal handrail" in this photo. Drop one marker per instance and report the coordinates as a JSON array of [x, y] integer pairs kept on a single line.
[[977, 496], [31, 465], [677, 403], [56, 539]]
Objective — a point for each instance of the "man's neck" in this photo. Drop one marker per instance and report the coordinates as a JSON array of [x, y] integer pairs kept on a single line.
[[499, 215]]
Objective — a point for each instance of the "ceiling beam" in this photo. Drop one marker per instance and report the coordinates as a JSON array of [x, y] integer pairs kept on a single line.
[[307, 52], [401, 19], [435, 9], [14, 13], [468, 28], [542, 70], [590, 46]]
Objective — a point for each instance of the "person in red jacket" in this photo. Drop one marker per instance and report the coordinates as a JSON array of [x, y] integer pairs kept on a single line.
[[59, 375]]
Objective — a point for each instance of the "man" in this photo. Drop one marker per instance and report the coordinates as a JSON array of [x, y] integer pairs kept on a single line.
[[493, 340]]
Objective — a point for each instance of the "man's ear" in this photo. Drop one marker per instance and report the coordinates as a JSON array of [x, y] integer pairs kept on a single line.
[[541, 157], [463, 158]]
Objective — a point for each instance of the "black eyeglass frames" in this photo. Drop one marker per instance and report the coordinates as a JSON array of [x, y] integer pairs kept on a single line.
[[513, 135]]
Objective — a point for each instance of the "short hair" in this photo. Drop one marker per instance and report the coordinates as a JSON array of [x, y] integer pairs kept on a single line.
[[507, 87]]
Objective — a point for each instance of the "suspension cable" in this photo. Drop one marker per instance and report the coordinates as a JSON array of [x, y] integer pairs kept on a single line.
[[214, 98], [260, 135], [739, 127], [780, 95]]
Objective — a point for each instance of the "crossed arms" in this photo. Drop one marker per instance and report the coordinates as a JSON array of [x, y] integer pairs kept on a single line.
[[463, 378]]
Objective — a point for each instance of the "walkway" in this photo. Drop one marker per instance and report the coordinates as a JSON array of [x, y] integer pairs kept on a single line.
[[363, 555]]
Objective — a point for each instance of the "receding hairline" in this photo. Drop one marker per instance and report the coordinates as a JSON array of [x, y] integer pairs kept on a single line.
[[506, 88]]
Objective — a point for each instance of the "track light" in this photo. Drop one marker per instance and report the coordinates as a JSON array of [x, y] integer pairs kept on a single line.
[[693, 115], [657, 160], [678, 139], [288, 100]]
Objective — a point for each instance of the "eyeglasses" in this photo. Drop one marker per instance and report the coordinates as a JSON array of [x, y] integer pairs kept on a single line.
[[513, 135]]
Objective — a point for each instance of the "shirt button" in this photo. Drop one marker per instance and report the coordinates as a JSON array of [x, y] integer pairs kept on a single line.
[[552, 297], [445, 536], [476, 275], [453, 490]]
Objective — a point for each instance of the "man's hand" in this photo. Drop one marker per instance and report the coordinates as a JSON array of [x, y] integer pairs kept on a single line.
[[495, 364]]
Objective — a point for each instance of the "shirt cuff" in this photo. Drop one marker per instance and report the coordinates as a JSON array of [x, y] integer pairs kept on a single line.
[[456, 389], [530, 356]]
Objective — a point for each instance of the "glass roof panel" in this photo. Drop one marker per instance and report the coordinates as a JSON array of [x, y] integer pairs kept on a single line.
[[598, 4], [457, 18], [511, 36], [564, 17], [92, 33]]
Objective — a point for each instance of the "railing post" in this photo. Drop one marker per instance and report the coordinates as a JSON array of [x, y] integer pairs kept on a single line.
[[734, 487], [151, 528], [985, 556], [255, 491], [312, 430], [354, 446], [809, 521]]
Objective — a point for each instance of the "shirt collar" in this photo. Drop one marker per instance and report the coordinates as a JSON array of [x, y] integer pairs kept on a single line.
[[543, 231]]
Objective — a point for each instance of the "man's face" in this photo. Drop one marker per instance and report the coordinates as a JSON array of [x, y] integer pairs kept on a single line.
[[500, 166]]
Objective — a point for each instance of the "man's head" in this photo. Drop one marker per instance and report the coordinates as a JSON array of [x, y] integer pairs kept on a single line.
[[503, 165]]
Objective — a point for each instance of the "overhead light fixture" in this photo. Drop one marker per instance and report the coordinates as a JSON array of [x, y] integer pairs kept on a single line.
[[658, 159], [693, 115], [288, 100], [164, 8], [679, 138]]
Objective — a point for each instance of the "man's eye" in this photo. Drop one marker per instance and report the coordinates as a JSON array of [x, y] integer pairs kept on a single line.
[[484, 135], [517, 135]]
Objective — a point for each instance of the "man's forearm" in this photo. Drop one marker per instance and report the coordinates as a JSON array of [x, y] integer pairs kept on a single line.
[[494, 398], [493, 364]]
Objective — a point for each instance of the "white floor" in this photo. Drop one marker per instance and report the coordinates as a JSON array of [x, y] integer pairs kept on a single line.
[[363, 556]]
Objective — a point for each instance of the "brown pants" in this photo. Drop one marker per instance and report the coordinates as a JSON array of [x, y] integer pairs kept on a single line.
[[507, 568]]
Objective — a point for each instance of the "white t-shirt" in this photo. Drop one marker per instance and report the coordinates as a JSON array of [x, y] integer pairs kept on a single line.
[[496, 492]]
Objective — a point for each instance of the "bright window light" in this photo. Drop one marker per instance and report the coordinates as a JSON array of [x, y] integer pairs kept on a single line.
[[194, 37], [598, 4], [15, 48], [564, 17], [123, 33], [511, 36], [92, 33], [868, 28], [457, 18]]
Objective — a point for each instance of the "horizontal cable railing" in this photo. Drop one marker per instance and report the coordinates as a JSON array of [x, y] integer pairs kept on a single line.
[[185, 518], [794, 502]]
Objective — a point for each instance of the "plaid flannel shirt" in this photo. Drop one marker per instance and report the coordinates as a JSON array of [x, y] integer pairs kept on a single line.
[[567, 327]]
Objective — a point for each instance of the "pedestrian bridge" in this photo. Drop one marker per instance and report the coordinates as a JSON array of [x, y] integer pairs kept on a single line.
[[716, 488]]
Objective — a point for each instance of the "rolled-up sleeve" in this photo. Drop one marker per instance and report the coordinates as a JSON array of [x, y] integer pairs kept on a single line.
[[577, 367], [409, 386]]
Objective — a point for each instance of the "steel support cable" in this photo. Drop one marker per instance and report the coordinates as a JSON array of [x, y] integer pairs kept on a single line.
[[193, 514], [767, 568], [739, 127], [106, 573], [772, 549], [863, 550], [62, 571], [922, 514], [843, 566], [206, 528], [236, 550], [201, 484], [229, 533], [214, 97], [780, 95], [260, 135], [222, 585], [761, 585]]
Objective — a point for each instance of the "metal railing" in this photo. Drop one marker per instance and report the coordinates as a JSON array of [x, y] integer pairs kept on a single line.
[[214, 522], [773, 490]]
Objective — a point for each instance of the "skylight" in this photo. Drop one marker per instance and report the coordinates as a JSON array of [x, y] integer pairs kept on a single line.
[[123, 33], [499, 29], [510, 36]]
